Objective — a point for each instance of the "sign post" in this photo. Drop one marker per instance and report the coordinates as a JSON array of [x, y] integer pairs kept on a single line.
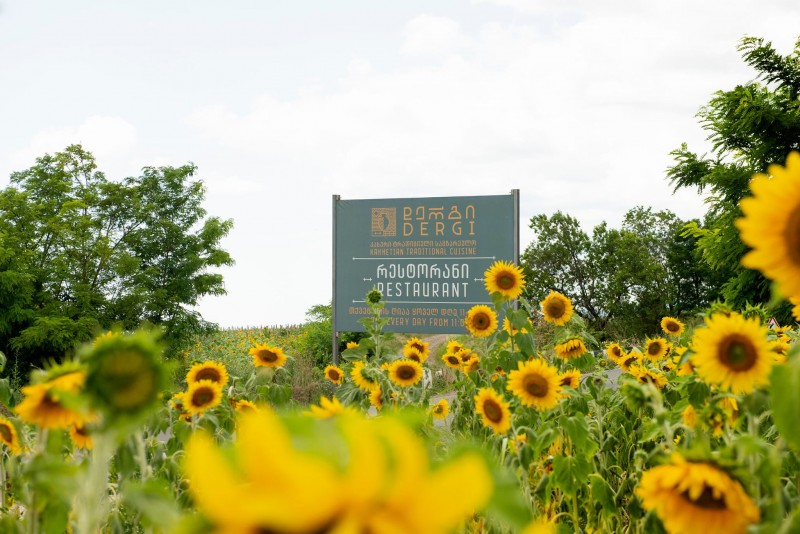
[[427, 257]]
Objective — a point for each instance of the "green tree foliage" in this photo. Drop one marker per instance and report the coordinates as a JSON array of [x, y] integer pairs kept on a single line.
[[750, 127], [80, 253], [622, 280], [317, 338]]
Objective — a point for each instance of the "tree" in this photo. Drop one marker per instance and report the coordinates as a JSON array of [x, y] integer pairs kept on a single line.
[[622, 280], [80, 253], [750, 127]]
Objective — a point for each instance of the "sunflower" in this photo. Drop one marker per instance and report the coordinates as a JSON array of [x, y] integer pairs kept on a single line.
[[686, 368], [208, 370], [671, 326], [244, 405], [441, 409], [466, 355], [519, 440], [535, 383], [201, 396], [414, 354], [104, 336], [655, 349], [493, 410], [451, 360], [481, 320], [176, 402], [472, 364], [540, 526], [376, 398], [125, 375], [454, 346], [689, 416], [505, 278], [334, 374], [351, 345], [557, 308], [405, 373], [732, 353], [570, 379], [9, 436], [572, 348], [645, 376], [615, 352], [512, 331], [633, 357], [771, 225], [80, 436], [328, 408], [267, 356], [42, 406], [420, 346], [696, 497], [360, 379], [795, 301]]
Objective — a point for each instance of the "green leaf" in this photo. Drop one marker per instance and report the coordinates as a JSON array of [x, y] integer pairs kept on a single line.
[[577, 430], [153, 500], [55, 516], [525, 342], [518, 318], [570, 473], [785, 394], [602, 494], [279, 394], [5, 392]]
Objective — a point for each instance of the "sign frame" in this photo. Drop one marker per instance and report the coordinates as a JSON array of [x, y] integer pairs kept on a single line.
[[384, 221]]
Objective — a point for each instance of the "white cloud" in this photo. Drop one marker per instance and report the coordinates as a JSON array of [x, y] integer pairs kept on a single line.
[[577, 103], [109, 139], [429, 35]]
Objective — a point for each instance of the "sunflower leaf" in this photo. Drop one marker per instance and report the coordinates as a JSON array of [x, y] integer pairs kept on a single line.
[[570, 473], [602, 494], [785, 393]]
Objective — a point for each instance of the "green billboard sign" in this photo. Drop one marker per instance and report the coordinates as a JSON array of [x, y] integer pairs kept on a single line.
[[427, 256]]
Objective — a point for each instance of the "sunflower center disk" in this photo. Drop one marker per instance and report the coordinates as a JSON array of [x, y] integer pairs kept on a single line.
[[706, 500], [334, 375], [792, 236], [481, 321], [209, 374], [406, 373], [202, 397], [492, 411], [737, 353], [5, 433], [556, 309], [536, 385], [505, 281], [268, 356]]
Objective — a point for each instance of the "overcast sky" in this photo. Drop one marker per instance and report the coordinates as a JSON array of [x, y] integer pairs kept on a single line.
[[576, 103]]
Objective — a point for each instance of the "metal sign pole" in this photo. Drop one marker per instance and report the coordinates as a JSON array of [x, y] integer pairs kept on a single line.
[[334, 332], [515, 195]]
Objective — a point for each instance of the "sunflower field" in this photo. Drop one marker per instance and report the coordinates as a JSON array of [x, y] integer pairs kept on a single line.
[[693, 430]]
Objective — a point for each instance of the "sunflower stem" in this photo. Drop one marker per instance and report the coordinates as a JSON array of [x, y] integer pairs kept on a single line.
[[92, 499], [575, 514], [2, 483], [141, 456]]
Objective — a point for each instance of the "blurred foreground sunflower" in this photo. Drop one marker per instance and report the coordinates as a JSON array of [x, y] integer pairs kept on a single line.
[[771, 225], [696, 498]]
